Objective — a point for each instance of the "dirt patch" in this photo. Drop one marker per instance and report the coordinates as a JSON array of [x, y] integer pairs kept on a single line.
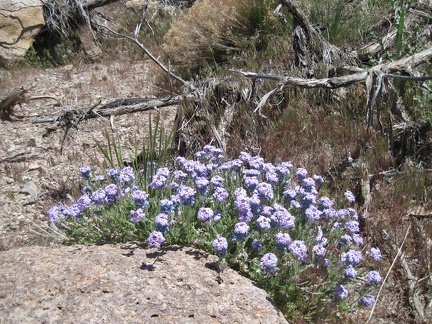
[[35, 173]]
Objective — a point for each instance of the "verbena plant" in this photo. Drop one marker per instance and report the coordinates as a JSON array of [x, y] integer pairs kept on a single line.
[[267, 221]]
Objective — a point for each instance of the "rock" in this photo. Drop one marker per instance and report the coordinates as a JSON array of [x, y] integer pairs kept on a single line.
[[31, 189], [126, 284], [33, 167], [20, 22]]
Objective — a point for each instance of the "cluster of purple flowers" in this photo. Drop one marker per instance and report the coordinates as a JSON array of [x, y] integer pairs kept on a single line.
[[272, 208]]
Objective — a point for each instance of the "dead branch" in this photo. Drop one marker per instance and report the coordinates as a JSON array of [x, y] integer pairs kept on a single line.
[[115, 108], [379, 72], [403, 65], [135, 40]]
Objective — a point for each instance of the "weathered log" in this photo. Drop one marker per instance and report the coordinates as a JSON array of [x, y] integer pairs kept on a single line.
[[404, 64], [115, 108]]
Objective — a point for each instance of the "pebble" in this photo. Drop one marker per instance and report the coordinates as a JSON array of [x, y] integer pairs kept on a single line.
[[33, 167]]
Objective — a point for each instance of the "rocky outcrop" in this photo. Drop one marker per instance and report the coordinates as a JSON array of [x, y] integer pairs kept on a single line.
[[20, 21], [125, 284]]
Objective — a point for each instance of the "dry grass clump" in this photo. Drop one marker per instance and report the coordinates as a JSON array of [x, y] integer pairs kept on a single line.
[[209, 29], [201, 32]]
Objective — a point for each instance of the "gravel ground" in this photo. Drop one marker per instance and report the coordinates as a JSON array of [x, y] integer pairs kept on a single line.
[[35, 172]]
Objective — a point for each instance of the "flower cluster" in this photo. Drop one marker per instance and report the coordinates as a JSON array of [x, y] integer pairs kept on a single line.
[[268, 218]]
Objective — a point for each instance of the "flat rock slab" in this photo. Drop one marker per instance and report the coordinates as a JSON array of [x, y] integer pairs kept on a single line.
[[126, 284]]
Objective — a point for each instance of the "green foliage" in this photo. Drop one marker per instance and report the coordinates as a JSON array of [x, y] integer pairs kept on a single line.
[[49, 50], [344, 23]]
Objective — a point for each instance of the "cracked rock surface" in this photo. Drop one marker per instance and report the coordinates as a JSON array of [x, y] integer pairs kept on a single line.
[[126, 284]]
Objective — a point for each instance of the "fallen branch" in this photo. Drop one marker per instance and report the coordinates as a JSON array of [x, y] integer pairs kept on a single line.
[[115, 108], [402, 65], [381, 71]]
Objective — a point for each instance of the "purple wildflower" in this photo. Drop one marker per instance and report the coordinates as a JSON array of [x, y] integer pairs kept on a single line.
[[256, 162], [308, 199], [374, 277], [245, 157], [350, 272], [217, 181], [266, 210], [220, 245], [256, 245], [98, 196], [265, 191], [241, 230], [283, 169], [127, 175], [319, 251], [155, 239], [290, 194], [252, 173], [85, 172], [367, 300], [220, 194], [325, 203], [137, 215], [269, 173], [72, 211], [162, 223], [100, 178], [375, 253], [352, 226], [179, 174], [141, 198], [298, 249], [176, 200], [205, 214], [217, 215], [83, 202], [166, 206], [308, 184], [341, 292], [328, 214], [251, 183], [312, 214], [351, 257], [282, 241], [202, 184], [269, 262], [301, 173], [357, 239], [349, 196], [255, 203], [318, 179], [345, 239], [113, 174], [158, 182], [111, 193], [55, 213], [186, 195], [263, 223], [284, 218], [124, 191]]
